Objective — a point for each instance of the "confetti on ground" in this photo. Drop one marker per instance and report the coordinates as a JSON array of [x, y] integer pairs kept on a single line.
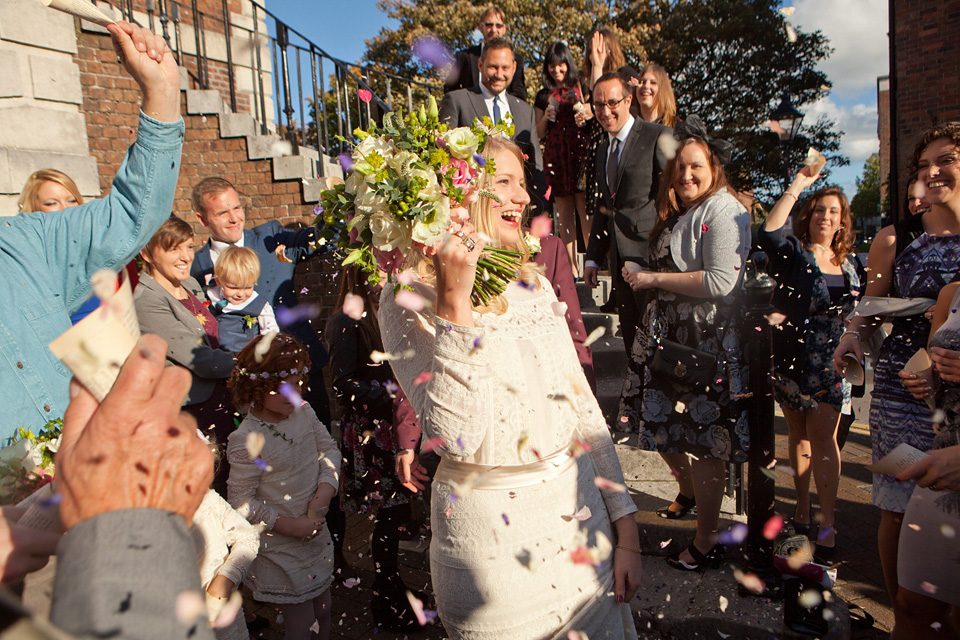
[[723, 604], [255, 442], [665, 543], [595, 335], [749, 581], [773, 526], [353, 306], [350, 583]]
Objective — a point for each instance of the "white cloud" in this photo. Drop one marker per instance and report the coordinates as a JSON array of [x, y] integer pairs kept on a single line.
[[859, 125], [857, 31]]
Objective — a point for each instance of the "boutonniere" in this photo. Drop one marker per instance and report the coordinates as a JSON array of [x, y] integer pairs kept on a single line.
[[249, 321]]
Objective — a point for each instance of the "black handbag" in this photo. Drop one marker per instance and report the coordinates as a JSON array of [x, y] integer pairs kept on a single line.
[[686, 366]]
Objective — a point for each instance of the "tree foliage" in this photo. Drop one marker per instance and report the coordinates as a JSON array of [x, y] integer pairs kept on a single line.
[[866, 202], [730, 60]]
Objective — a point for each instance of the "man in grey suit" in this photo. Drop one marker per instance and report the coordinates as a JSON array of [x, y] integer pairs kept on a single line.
[[628, 166], [490, 99]]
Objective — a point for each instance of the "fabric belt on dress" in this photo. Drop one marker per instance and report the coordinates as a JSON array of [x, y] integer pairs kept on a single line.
[[483, 476]]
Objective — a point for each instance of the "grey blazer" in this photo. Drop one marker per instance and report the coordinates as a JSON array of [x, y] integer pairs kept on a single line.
[[461, 107], [161, 314]]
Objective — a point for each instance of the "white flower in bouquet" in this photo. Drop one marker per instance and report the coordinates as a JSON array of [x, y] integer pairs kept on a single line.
[[432, 192], [428, 230], [462, 143], [402, 161], [388, 232], [22, 454], [368, 201], [364, 152]]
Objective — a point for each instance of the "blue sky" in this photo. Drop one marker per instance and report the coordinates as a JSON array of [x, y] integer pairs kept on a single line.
[[857, 30]]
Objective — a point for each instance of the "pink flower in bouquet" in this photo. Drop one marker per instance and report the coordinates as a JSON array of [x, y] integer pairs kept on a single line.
[[389, 261], [463, 175]]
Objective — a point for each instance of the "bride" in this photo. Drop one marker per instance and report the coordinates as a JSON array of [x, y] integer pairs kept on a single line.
[[524, 545]]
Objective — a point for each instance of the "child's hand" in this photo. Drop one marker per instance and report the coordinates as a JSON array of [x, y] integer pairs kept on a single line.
[[221, 587], [303, 527]]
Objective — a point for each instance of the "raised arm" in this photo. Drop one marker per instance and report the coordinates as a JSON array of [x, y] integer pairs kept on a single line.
[[781, 211]]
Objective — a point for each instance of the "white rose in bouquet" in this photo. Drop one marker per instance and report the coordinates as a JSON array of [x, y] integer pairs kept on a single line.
[[427, 230], [431, 192], [369, 145], [462, 143], [402, 161], [368, 201], [389, 233]]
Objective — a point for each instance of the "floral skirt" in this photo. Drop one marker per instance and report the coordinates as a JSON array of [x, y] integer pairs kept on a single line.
[[368, 478]]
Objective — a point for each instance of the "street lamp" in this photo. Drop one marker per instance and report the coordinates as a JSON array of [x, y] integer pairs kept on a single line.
[[788, 119]]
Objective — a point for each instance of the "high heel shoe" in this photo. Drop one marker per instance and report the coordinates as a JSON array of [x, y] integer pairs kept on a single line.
[[709, 560], [686, 504]]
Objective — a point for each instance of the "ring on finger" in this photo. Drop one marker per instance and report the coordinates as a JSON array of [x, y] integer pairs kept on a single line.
[[470, 243], [460, 235]]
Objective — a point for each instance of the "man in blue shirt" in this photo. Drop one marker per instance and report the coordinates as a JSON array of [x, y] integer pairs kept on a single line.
[[47, 259], [219, 209]]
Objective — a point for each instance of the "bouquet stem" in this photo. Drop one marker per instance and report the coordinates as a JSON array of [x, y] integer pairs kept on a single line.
[[495, 269]]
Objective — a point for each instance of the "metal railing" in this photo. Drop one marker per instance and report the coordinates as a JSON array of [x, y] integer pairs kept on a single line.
[[312, 116]]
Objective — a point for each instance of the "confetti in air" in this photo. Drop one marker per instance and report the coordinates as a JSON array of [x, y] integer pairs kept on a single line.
[[432, 444], [559, 309], [189, 606], [423, 378], [255, 442], [432, 51], [287, 316], [723, 604], [541, 226], [264, 345], [603, 483], [581, 515], [409, 300], [353, 306], [595, 335], [364, 95], [773, 526], [288, 391]]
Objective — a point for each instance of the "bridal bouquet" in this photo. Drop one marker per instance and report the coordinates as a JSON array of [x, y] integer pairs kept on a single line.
[[403, 180], [27, 463]]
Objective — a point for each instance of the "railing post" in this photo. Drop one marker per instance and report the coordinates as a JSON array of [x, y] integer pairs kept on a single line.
[[164, 19], [303, 123], [176, 32], [389, 95], [323, 106], [259, 66], [151, 9], [282, 43], [227, 36], [761, 486], [196, 39]]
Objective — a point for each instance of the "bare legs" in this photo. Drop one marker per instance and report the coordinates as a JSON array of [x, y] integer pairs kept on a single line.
[[567, 209], [679, 464], [888, 542], [299, 619], [916, 614], [813, 447]]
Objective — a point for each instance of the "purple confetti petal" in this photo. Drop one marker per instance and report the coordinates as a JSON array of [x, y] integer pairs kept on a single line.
[[480, 160], [287, 316], [346, 162], [287, 391], [318, 210], [432, 51], [263, 466], [53, 500]]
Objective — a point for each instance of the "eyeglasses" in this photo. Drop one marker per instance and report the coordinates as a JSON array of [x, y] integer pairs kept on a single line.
[[609, 104], [490, 25]]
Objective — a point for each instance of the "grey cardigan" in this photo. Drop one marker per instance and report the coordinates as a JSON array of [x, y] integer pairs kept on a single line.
[[713, 237], [161, 314]]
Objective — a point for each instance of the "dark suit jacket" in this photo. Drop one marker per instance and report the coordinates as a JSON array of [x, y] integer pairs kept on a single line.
[[553, 257], [466, 73], [460, 108], [276, 278], [632, 208]]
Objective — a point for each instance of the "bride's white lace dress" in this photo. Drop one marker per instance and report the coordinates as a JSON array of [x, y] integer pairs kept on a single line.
[[508, 397]]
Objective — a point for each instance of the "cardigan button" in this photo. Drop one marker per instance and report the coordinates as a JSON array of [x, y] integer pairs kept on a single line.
[[19, 365], [46, 408]]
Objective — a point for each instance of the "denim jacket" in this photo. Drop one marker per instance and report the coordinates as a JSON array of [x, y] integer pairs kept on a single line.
[[46, 261]]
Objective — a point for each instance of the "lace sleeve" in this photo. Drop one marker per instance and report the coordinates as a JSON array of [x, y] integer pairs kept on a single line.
[[455, 403], [243, 540]]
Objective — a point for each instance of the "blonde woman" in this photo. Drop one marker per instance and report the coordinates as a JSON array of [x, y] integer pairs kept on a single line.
[[48, 190], [511, 408]]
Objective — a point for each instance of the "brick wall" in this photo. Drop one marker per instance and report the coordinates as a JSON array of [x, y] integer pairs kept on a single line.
[[926, 66], [111, 107], [883, 133]]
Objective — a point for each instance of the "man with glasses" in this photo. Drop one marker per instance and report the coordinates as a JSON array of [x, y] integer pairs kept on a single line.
[[628, 166], [466, 72], [490, 99]]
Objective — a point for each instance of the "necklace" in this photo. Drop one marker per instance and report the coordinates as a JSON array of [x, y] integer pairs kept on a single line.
[[821, 247], [273, 429]]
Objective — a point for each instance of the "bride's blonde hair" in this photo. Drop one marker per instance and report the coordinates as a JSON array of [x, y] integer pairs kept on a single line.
[[486, 220]]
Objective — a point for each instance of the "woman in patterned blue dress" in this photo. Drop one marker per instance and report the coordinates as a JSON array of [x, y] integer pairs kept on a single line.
[[913, 258], [818, 287]]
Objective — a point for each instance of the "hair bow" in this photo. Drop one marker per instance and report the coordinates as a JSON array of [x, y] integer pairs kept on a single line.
[[693, 127]]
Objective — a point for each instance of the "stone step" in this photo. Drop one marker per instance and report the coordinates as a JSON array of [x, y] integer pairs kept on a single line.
[[609, 357], [590, 298], [204, 102], [594, 319]]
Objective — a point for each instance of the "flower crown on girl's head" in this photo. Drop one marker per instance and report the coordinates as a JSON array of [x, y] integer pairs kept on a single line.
[[256, 375]]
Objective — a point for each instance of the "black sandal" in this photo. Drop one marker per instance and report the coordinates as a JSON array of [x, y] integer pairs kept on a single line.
[[686, 504], [710, 560]]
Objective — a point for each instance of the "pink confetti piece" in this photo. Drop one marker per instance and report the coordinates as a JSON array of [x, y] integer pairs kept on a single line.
[[546, 196], [582, 515], [189, 606], [364, 95], [353, 306], [541, 226], [432, 444], [704, 228], [417, 606], [665, 543], [559, 309], [292, 395], [583, 555], [409, 300], [405, 277], [423, 378], [603, 483], [304, 291], [929, 587], [773, 526]]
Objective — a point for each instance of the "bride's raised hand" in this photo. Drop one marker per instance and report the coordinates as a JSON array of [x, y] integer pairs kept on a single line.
[[456, 267]]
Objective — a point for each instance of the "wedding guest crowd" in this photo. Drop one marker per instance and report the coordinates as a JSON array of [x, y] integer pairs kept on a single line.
[[503, 391]]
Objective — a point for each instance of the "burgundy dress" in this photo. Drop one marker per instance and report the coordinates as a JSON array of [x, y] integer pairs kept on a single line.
[[564, 146]]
